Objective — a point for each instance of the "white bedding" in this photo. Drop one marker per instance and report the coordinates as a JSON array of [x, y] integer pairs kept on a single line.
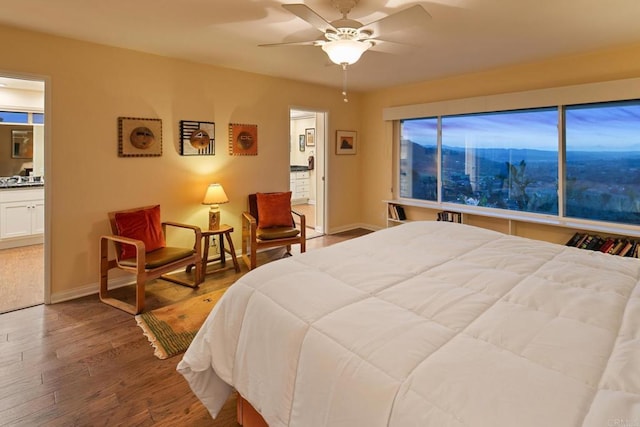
[[429, 324]]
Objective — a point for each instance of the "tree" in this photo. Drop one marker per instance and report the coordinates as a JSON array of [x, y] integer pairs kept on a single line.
[[518, 182]]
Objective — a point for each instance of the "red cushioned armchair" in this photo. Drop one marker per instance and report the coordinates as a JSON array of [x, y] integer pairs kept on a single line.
[[269, 223], [139, 242]]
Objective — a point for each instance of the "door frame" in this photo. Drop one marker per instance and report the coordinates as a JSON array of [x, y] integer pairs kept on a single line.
[[47, 171], [321, 163]]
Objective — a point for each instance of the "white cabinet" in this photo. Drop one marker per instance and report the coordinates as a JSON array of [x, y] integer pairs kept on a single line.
[[21, 213], [299, 185]]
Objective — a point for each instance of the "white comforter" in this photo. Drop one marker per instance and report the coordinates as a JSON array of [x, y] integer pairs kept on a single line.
[[429, 324]]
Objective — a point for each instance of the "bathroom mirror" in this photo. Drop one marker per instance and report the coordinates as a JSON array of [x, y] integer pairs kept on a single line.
[[21, 144], [20, 150]]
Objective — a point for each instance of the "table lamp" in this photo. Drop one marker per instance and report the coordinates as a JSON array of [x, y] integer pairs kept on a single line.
[[214, 196]]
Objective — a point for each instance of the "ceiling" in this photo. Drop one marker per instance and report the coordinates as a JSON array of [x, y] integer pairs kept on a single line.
[[463, 35]]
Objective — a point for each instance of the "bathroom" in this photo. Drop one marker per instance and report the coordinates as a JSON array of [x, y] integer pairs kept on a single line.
[[21, 193], [306, 167]]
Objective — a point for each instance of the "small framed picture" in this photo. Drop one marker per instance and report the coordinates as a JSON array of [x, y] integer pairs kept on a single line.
[[310, 137], [243, 139], [346, 142], [197, 138], [139, 137], [301, 141]]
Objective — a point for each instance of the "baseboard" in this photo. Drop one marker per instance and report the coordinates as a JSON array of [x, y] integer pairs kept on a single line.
[[90, 289], [22, 241], [94, 288]]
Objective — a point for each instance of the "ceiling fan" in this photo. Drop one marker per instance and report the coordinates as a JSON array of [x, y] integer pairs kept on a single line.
[[345, 40]]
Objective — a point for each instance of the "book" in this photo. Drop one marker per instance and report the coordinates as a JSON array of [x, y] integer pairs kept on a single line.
[[607, 245], [400, 212], [392, 212], [595, 243], [585, 242], [634, 250], [582, 239], [625, 249], [450, 216], [574, 239], [616, 248]]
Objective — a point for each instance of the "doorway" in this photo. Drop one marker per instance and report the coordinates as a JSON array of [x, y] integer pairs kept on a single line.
[[307, 167], [22, 209]]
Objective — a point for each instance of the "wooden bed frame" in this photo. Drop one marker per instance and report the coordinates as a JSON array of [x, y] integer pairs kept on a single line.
[[247, 415]]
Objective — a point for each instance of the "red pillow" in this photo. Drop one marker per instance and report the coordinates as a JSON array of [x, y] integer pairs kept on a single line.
[[274, 209], [142, 225]]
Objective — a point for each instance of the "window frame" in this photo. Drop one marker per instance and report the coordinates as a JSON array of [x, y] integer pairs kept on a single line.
[[618, 90]]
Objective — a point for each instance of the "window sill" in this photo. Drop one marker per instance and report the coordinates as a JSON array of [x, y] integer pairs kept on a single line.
[[552, 220]]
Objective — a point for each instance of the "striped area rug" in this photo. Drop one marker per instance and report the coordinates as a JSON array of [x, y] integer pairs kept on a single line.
[[171, 329]]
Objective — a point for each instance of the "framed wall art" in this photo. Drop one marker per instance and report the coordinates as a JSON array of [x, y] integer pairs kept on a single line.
[[197, 138], [301, 141], [346, 142], [21, 144], [139, 137], [243, 139], [310, 135]]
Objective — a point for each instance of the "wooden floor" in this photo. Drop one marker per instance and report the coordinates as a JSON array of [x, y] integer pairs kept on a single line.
[[83, 363]]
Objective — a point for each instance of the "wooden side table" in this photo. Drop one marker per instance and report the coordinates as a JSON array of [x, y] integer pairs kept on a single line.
[[223, 232]]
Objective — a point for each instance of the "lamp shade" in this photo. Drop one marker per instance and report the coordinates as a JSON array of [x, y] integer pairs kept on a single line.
[[215, 195], [345, 51]]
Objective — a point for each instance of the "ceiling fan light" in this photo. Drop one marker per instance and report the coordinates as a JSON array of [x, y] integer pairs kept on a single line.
[[345, 51]]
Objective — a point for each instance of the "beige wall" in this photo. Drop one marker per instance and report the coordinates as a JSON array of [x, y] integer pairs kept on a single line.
[[377, 136], [92, 85]]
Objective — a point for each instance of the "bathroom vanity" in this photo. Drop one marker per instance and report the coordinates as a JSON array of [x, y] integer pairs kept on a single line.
[[299, 184], [21, 215]]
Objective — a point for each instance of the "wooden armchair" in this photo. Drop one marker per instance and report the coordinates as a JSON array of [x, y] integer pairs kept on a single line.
[[139, 240], [269, 223]]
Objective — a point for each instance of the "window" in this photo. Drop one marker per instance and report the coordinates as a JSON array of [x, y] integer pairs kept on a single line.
[[37, 118], [419, 159], [14, 117], [505, 160], [510, 160], [602, 172]]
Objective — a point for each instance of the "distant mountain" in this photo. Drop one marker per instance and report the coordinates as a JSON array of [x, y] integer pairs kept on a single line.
[[589, 156], [511, 155], [425, 155]]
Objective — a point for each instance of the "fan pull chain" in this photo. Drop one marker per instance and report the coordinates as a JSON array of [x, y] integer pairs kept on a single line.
[[344, 82]]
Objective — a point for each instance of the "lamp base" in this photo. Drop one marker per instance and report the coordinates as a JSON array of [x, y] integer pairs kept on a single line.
[[214, 219]]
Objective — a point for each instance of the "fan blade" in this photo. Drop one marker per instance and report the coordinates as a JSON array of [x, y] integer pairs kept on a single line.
[[303, 11], [388, 46], [298, 43], [413, 16]]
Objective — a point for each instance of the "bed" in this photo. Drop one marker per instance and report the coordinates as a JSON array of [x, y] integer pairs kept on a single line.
[[428, 324]]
